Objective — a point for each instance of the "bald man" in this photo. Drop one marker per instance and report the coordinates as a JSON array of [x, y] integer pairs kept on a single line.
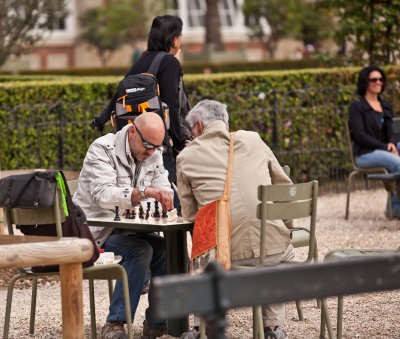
[[124, 169]]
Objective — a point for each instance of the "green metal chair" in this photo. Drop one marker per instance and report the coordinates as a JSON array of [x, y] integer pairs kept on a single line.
[[17, 216], [301, 237], [288, 201], [359, 170], [344, 255]]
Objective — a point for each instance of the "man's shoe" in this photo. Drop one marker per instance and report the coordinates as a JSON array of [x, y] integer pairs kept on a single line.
[[396, 214], [278, 333], [152, 333], [192, 334], [113, 330]]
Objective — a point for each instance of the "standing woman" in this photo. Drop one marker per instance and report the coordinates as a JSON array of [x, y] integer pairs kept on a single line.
[[165, 36], [370, 122]]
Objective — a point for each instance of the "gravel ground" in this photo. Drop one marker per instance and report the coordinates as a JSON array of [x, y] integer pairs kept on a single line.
[[372, 315]]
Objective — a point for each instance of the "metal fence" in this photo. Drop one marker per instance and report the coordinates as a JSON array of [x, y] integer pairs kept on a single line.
[[303, 127]]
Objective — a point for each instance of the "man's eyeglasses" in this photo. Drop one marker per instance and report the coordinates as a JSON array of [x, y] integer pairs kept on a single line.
[[375, 80], [146, 144]]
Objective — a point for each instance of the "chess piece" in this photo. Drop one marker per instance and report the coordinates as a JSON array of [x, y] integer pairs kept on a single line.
[[141, 212], [156, 211], [137, 218], [164, 214], [172, 215], [133, 214], [179, 211], [128, 214], [117, 218], [148, 210]]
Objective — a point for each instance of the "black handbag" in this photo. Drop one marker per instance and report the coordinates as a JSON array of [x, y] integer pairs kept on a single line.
[[38, 190], [31, 190]]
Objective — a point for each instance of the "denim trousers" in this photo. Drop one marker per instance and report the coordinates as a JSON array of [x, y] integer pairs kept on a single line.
[[139, 252], [382, 158]]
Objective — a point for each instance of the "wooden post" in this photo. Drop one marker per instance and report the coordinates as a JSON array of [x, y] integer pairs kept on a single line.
[[71, 296]]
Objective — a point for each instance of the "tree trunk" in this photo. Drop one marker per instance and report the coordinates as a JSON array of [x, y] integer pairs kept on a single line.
[[213, 27]]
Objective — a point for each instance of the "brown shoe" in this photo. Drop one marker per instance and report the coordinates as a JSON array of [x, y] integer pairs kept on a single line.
[[113, 330], [152, 333]]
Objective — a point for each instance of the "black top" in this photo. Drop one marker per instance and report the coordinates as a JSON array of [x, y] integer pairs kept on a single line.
[[168, 76], [370, 130]]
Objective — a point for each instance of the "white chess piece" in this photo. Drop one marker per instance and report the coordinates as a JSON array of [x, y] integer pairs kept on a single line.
[[172, 215], [137, 219]]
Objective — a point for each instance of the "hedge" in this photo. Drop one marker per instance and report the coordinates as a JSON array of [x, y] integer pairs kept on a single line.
[[300, 114]]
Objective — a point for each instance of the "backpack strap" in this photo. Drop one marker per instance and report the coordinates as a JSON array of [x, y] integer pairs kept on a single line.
[[153, 69]]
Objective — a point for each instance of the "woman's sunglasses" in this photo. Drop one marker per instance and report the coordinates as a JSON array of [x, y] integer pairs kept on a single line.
[[375, 80], [146, 144]]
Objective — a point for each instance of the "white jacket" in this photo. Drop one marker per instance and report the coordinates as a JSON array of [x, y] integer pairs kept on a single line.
[[107, 178]]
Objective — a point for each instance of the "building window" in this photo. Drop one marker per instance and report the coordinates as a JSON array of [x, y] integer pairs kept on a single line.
[[193, 11]]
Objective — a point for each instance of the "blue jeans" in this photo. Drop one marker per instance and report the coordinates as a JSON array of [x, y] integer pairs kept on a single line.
[[381, 158], [139, 252], [169, 165]]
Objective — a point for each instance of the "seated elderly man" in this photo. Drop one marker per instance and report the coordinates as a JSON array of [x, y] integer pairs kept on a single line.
[[201, 173], [121, 170]]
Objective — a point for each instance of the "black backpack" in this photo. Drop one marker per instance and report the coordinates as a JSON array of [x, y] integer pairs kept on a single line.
[[140, 93]]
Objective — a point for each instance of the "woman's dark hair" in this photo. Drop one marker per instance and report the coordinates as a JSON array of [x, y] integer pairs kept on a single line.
[[362, 83], [163, 30]]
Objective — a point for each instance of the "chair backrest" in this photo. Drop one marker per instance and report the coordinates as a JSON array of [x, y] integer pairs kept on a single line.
[[287, 201], [72, 186], [350, 145], [396, 127], [27, 216]]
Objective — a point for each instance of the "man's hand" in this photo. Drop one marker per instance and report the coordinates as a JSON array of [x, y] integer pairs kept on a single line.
[[162, 196], [391, 147]]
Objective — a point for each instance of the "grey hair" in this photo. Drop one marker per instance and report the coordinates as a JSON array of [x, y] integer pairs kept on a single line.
[[207, 111]]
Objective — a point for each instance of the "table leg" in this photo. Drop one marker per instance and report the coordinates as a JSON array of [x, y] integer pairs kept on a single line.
[[176, 253], [71, 299]]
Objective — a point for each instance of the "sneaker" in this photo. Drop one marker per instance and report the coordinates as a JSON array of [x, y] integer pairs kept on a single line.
[[192, 334], [278, 333], [152, 333], [113, 330]]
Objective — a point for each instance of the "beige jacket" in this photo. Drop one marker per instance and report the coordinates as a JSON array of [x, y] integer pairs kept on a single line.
[[201, 172]]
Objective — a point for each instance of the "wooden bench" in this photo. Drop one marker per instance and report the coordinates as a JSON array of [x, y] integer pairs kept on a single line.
[[69, 253]]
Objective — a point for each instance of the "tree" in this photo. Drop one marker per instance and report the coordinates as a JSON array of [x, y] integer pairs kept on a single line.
[[213, 27], [107, 27], [25, 22], [371, 28], [286, 18]]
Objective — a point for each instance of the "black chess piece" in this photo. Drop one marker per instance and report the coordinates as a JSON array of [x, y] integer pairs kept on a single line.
[[148, 210], [179, 211], [164, 214], [133, 214], [141, 212], [156, 211], [117, 218], [128, 214]]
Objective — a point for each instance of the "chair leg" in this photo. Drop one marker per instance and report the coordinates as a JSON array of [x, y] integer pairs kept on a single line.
[[110, 288], [258, 326], [92, 310], [348, 194], [127, 303], [299, 310], [33, 306], [339, 317], [325, 320], [9, 302], [202, 327], [390, 212]]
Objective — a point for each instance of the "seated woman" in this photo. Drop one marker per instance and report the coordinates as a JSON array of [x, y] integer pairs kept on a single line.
[[370, 122]]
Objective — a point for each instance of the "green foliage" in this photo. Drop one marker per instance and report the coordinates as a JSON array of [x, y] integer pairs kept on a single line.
[[300, 114], [24, 23], [371, 27], [107, 27], [286, 18]]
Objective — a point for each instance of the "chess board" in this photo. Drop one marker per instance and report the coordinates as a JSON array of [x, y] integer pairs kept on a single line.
[[154, 225]]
